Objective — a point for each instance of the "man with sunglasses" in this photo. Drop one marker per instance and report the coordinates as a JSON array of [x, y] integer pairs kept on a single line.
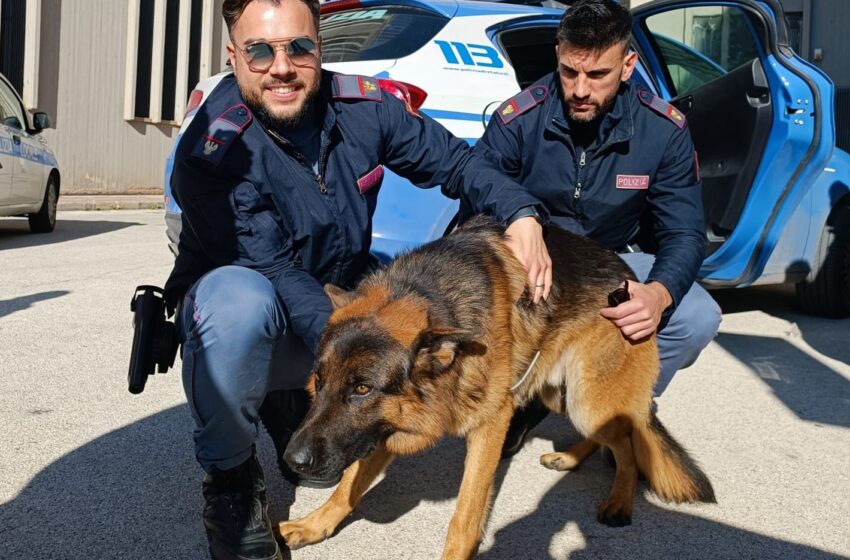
[[614, 163], [277, 177]]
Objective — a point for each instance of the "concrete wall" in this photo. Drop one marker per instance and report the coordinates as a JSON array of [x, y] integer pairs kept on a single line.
[[81, 75], [828, 24]]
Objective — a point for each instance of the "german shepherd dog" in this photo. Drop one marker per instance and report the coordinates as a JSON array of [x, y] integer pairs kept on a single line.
[[439, 342]]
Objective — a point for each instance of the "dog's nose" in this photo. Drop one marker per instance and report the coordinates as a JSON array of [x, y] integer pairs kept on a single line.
[[300, 459]]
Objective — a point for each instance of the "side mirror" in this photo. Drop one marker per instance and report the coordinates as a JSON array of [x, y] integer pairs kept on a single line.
[[40, 121], [13, 122]]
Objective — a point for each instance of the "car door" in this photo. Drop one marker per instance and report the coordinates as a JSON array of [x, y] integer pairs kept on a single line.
[[28, 179], [754, 111], [6, 166]]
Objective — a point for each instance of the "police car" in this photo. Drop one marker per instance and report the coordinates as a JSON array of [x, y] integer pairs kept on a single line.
[[29, 176], [776, 189]]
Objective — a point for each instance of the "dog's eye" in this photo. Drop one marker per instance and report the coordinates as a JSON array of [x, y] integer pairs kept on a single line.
[[362, 390]]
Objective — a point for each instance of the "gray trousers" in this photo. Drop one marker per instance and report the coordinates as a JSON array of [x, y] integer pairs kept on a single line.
[[692, 326], [236, 348]]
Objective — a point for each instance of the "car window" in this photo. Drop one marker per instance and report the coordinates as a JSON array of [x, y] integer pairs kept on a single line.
[[377, 33], [700, 44], [531, 51], [10, 108]]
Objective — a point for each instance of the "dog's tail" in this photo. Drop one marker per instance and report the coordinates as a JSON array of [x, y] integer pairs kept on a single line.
[[671, 472]]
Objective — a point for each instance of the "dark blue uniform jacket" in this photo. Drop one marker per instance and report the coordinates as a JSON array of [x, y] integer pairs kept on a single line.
[[249, 199], [643, 161]]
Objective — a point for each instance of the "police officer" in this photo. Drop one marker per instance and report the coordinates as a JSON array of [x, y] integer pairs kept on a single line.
[[607, 157], [278, 177]]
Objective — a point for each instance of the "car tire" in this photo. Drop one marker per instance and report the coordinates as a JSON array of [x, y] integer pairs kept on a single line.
[[826, 290], [44, 220]]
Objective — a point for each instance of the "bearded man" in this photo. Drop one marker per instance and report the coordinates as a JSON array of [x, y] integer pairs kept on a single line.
[[614, 163], [278, 177]]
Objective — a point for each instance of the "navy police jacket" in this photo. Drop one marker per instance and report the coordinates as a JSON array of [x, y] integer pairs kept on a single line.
[[249, 199], [642, 166]]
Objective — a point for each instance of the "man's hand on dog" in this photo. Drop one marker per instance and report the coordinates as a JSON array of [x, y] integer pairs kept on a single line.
[[639, 317], [525, 239]]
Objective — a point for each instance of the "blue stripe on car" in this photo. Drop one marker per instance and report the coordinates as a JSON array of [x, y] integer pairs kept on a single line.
[[456, 115]]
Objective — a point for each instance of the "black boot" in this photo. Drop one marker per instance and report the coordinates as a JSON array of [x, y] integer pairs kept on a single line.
[[282, 413], [236, 514], [523, 421]]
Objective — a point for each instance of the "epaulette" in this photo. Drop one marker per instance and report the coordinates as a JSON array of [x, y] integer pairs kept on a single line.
[[522, 103], [221, 134], [356, 87], [661, 107]]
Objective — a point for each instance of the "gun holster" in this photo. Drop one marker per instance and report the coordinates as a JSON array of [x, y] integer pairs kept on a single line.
[[155, 338]]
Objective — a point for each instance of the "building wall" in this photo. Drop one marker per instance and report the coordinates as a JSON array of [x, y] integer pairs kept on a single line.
[[828, 24], [81, 85]]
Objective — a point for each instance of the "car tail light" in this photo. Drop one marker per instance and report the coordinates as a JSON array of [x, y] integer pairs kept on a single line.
[[339, 6], [195, 99], [408, 93]]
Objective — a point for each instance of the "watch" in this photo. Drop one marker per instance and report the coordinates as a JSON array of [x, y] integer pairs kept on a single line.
[[525, 212]]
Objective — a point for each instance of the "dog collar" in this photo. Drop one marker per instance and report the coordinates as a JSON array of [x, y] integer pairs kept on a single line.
[[525, 376]]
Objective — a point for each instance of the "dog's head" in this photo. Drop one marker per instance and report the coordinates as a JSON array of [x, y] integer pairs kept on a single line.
[[379, 359]]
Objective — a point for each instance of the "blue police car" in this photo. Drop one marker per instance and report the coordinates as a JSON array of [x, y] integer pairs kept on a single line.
[[29, 176], [776, 190]]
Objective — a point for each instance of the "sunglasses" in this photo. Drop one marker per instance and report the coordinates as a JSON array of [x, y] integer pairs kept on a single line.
[[300, 51]]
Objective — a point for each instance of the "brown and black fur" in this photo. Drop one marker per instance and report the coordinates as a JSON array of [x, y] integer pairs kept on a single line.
[[431, 346]]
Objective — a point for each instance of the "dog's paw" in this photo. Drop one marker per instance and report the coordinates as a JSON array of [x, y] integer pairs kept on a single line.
[[559, 461], [299, 533], [614, 514]]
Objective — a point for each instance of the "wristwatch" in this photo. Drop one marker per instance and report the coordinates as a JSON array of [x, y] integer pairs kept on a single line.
[[525, 212]]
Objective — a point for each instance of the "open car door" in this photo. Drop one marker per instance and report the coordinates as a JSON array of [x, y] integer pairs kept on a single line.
[[755, 113]]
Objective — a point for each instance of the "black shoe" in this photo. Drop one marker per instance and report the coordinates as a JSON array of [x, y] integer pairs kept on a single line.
[[524, 420], [236, 514], [282, 413]]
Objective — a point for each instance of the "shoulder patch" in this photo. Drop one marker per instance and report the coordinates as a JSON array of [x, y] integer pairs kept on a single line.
[[661, 107], [522, 102], [222, 132], [356, 87]]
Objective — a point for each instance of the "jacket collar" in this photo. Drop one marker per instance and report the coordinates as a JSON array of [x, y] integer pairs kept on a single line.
[[617, 124]]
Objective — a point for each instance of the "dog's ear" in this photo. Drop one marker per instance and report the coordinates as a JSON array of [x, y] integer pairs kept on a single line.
[[438, 347], [339, 297]]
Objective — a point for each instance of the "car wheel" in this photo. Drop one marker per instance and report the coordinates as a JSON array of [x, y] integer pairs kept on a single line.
[[826, 289], [44, 220]]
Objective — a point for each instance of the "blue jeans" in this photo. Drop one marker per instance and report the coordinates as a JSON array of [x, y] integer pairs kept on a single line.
[[235, 349], [690, 328]]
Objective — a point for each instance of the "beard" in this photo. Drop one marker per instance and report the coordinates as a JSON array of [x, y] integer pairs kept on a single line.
[[254, 101], [601, 108]]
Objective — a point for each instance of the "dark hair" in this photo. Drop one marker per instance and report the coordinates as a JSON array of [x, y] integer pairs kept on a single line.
[[595, 25], [231, 10]]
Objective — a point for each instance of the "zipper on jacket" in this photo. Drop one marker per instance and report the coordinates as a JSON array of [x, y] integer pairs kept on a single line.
[[319, 177], [581, 163], [286, 144]]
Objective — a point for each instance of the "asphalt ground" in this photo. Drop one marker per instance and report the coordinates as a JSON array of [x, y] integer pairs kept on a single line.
[[89, 471]]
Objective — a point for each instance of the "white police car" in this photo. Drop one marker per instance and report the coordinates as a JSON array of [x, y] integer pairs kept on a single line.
[[29, 176], [776, 190], [449, 65]]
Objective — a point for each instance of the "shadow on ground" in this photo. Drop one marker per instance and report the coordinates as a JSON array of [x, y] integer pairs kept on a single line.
[[827, 336], [656, 532], [135, 494], [15, 234], [9, 306], [813, 390]]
